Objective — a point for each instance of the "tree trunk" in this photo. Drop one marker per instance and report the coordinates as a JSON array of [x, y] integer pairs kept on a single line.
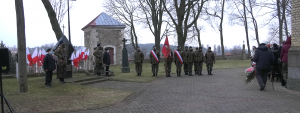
[[53, 20], [246, 28], [221, 30], [21, 46], [284, 18], [280, 21]]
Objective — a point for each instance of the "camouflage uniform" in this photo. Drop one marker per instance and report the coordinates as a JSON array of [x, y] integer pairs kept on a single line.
[[61, 54], [190, 60], [177, 62], [196, 61], [154, 63], [201, 60], [98, 56], [209, 60], [185, 62], [168, 63], [138, 59]]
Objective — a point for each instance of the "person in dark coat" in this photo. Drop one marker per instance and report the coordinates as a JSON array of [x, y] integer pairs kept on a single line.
[[106, 60], [284, 59], [275, 71], [49, 67], [264, 59]]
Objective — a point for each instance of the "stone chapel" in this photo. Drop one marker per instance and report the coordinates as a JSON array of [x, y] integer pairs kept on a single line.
[[109, 33]]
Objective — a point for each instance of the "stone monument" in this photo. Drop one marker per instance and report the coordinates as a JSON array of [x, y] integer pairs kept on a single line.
[[125, 64]]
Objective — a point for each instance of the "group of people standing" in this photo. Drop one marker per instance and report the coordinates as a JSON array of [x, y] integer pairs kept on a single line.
[[187, 58], [271, 61], [102, 58]]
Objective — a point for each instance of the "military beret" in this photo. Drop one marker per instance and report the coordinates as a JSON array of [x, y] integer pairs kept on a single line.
[[196, 47], [186, 47], [106, 49], [209, 47], [262, 44], [98, 45], [191, 47], [200, 47], [60, 42], [48, 50]]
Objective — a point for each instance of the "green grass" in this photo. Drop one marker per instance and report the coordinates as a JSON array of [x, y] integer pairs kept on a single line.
[[147, 73], [59, 98]]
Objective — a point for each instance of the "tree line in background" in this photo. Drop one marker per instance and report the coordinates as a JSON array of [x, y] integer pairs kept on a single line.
[[181, 18]]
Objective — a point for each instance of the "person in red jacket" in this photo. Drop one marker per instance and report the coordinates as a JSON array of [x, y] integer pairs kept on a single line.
[[284, 59]]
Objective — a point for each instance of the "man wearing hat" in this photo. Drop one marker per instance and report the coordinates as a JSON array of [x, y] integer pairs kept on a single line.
[[264, 59], [138, 59], [178, 61], [190, 60], [168, 63], [98, 57], [61, 54], [154, 60], [185, 62], [49, 66], [199, 61], [106, 61], [196, 61], [209, 60]]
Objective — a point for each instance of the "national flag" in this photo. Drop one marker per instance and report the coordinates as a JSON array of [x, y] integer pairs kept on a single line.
[[39, 58], [77, 58], [72, 57], [166, 48], [28, 57], [82, 53], [35, 57], [86, 55], [43, 54]]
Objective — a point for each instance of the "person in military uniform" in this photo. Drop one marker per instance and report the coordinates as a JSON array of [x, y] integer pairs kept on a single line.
[[200, 60], [196, 61], [154, 60], [98, 56], [168, 63], [190, 60], [185, 62], [138, 59], [209, 60], [178, 61], [61, 55]]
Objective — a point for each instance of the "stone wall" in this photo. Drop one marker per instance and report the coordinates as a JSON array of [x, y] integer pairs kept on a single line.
[[108, 37]]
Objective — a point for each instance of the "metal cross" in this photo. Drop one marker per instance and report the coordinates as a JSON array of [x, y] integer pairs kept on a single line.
[[63, 28]]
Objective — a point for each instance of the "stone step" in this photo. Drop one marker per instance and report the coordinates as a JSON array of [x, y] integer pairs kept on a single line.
[[92, 81], [88, 79]]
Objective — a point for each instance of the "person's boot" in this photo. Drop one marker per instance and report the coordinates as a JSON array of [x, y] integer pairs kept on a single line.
[[153, 75], [211, 73], [190, 74], [156, 74], [208, 72], [179, 74], [200, 72], [283, 83], [169, 74], [140, 74], [185, 73]]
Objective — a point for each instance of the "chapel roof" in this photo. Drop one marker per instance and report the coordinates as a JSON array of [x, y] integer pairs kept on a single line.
[[104, 20]]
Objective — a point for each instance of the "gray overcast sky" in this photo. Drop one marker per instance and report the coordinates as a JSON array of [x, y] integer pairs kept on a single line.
[[39, 30]]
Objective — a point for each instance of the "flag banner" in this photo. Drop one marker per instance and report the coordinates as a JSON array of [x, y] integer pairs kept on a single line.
[[178, 55], [166, 48], [154, 55]]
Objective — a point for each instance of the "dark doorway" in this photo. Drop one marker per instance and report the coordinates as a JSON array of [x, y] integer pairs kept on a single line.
[[111, 54]]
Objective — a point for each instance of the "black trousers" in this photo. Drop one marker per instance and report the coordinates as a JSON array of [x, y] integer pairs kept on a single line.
[[106, 69], [261, 77], [48, 77]]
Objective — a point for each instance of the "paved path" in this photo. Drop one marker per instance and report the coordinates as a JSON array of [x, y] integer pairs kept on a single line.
[[224, 91]]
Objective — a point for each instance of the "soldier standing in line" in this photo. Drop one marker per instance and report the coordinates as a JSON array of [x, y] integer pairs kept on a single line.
[[196, 61], [98, 53], [154, 60], [168, 63], [184, 56], [190, 60], [138, 59], [61, 54], [209, 60], [178, 61], [201, 60]]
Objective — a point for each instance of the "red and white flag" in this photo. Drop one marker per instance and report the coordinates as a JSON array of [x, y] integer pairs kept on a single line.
[[86, 55], [43, 54], [82, 53], [77, 58], [39, 58], [35, 57], [166, 48], [28, 58], [72, 58]]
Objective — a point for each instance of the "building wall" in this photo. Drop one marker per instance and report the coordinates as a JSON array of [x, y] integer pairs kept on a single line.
[[108, 37]]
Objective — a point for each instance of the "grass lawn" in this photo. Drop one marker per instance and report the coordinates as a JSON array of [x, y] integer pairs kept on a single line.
[[147, 73], [72, 97], [58, 98]]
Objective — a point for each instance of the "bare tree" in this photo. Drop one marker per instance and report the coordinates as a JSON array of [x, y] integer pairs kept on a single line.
[[153, 11], [23, 85], [218, 12], [252, 4], [179, 12], [125, 11], [241, 17], [60, 7]]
